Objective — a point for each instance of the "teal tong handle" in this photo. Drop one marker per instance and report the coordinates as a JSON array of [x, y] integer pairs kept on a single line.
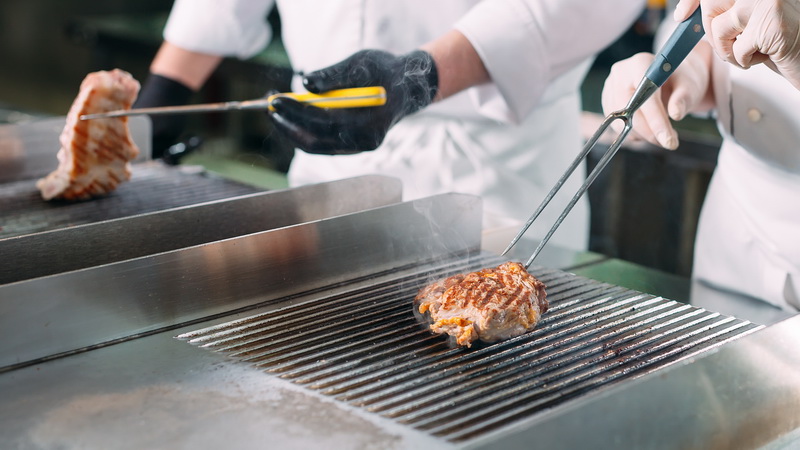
[[680, 43]]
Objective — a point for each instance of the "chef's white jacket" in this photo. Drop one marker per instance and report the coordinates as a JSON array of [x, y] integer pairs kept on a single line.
[[748, 237], [508, 141]]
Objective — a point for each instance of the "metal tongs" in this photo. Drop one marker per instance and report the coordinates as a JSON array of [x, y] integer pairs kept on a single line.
[[680, 43], [362, 97]]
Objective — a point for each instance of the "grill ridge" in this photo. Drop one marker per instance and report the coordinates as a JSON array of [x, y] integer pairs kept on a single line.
[[364, 347], [552, 360], [240, 326], [462, 363], [551, 376], [538, 352], [290, 337], [495, 419]]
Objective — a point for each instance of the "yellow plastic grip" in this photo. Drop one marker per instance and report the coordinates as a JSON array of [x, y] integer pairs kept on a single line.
[[340, 98]]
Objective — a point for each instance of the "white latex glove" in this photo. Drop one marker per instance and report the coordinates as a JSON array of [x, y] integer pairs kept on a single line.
[[687, 90], [748, 32]]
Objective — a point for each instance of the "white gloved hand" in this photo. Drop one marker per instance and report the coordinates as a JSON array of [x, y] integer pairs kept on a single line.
[[748, 32], [687, 90]]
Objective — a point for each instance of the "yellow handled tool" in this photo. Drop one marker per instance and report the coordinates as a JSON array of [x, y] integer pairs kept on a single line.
[[342, 98]]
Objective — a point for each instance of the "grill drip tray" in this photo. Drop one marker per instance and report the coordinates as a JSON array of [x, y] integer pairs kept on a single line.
[[365, 348]]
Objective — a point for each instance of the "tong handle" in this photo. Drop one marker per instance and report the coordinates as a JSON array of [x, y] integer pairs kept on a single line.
[[680, 43], [341, 98]]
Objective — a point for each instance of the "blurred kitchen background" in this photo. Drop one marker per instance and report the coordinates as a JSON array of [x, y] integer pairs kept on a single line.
[[644, 206]]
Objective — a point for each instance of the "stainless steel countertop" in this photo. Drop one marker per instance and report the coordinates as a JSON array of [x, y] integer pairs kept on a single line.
[[158, 392]]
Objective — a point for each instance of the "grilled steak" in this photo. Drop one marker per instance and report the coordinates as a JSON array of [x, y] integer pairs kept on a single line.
[[94, 154], [488, 305]]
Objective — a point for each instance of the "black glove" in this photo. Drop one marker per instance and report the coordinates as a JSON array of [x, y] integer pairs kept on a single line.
[[162, 91], [410, 80]]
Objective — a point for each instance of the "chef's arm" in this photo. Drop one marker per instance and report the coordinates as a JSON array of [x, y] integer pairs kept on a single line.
[[528, 45], [189, 68], [458, 64], [175, 74], [198, 34]]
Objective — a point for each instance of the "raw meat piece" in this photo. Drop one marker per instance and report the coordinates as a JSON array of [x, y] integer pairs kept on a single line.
[[95, 154], [488, 305]]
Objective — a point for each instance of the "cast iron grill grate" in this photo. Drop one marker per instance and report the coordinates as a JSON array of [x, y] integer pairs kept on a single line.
[[365, 348]]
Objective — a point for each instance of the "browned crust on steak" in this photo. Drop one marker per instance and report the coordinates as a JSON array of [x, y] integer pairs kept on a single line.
[[489, 304]]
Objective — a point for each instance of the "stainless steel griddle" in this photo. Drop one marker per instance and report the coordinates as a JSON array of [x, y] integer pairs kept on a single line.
[[312, 338], [28, 152], [366, 348], [74, 245], [153, 186]]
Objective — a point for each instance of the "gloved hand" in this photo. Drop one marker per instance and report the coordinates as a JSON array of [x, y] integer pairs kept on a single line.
[[687, 90], [410, 80], [161, 91], [748, 32]]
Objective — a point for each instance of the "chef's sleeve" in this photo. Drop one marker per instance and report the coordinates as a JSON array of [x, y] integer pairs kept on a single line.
[[527, 44], [220, 27]]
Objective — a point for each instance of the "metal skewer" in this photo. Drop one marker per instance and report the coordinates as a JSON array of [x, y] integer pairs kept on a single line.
[[341, 98], [680, 43], [183, 109]]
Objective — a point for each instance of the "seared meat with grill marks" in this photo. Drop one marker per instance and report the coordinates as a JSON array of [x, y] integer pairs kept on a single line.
[[94, 154], [488, 305]]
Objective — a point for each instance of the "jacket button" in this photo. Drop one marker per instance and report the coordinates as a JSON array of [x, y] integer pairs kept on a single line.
[[754, 115]]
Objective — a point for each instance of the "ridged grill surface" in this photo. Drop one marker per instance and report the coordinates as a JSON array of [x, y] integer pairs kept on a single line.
[[152, 187], [366, 348]]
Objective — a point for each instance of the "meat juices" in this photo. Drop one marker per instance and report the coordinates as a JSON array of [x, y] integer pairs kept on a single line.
[[95, 154], [488, 305]]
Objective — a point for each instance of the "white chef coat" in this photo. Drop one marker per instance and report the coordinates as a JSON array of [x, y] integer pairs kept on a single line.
[[748, 237], [507, 141]]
